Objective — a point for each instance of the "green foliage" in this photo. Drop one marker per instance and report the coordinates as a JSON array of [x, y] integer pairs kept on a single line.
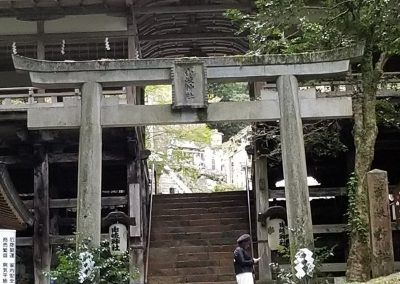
[[224, 187], [161, 139], [182, 163], [288, 26], [67, 267], [228, 92], [159, 94], [388, 114], [107, 268], [321, 140], [162, 135], [355, 224]]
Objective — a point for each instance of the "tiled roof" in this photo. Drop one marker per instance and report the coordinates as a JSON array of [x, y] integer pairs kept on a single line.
[[13, 213]]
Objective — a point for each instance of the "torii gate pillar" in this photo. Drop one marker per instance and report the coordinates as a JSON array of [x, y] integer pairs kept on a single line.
[[294, 166], [89, 168]]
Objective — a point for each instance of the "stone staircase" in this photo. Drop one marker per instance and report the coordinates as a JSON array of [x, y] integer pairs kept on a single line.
[[193, 237]]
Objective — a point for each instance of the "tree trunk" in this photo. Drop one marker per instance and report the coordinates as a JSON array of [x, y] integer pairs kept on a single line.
[[365, 133]]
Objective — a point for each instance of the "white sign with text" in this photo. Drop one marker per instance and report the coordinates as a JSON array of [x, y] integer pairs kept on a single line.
[[7, 256]]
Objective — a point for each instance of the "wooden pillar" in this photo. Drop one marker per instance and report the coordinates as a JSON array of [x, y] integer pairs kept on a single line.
[[382, 258], [262, 204], [89, 168], [41, 240], [135, 186], [136, 232], [294, 166], [260, 181]]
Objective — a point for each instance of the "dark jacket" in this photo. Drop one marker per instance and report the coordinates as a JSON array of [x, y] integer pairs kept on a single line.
[[242, 261]]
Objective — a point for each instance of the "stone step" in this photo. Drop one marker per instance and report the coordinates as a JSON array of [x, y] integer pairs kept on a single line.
[[231, 235], [193, 263], [194, 242], [160, 217], [159, 229], [199, 204], [185, 271], [193, 237], [206, 256], [215, 222], [204, 196], [189, 278], [182, 250], [189, 211], [186, 280], [219, 282], [189, 255]]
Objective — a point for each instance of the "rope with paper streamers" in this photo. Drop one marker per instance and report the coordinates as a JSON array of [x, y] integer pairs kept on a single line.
[[304, 264]]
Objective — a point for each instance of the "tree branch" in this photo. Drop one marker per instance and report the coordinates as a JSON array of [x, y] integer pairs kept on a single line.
[[340, 4], [325, 7], [383, 58], [338, 16]]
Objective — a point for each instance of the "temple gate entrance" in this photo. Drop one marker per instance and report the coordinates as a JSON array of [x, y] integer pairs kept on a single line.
[[189, 77]]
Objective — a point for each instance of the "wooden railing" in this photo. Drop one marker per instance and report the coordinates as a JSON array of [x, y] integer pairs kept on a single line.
[[22, 98]]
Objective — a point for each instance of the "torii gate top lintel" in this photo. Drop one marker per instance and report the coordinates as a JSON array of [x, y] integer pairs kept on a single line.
[[121, 72]]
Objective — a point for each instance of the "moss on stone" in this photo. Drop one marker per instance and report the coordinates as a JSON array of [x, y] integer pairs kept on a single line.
[[391, 279]]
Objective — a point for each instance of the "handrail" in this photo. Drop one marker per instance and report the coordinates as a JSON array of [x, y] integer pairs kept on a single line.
[[146, 270], [249, 210]]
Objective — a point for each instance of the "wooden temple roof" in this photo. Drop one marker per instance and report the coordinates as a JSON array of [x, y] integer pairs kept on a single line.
[[13, 213], [163, 28]]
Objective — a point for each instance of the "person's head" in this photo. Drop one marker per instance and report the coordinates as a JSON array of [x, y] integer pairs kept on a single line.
[[244, 241]]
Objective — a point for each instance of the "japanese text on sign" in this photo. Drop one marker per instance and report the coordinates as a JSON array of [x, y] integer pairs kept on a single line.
[[7, 256]]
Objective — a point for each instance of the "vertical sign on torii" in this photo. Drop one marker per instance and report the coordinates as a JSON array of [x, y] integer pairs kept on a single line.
[[189, 84], [189, 81]]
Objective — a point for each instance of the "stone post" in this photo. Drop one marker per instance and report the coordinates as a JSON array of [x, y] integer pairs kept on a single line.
[[382, 257], [294, 166], [89, 168]]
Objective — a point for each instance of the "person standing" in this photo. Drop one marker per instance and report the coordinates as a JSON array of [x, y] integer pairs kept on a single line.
[[243, 262]]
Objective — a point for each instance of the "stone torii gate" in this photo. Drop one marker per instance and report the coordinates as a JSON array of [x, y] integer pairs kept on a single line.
[[189, 78]]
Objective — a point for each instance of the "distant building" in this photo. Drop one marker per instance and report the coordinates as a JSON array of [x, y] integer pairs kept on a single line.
[[236, 159], [217, 163]]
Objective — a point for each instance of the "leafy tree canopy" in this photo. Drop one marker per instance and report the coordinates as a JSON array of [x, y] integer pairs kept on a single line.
[[291, 26], [228, 92], [288, 26]]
